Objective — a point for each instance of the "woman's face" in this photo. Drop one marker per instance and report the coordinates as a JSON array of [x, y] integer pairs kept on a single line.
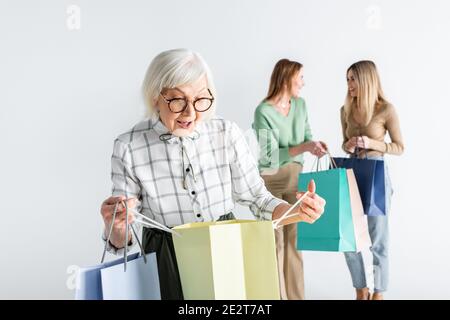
[[183, 123], [297, 84], [352, 85]]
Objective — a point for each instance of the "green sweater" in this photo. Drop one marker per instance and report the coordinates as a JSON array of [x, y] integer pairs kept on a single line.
[[277, 133]]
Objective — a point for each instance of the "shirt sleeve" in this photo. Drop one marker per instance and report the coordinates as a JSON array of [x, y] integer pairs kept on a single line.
[[392, 125], [308, 131], [248, 187], [124, 182], [344, 129]]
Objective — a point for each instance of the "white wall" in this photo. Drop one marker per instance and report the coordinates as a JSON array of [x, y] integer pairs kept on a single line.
[[67, 93]]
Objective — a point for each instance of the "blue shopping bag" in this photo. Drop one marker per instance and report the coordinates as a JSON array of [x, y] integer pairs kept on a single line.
[[334, 231], [132, 277], [109, 281], [370, 178]]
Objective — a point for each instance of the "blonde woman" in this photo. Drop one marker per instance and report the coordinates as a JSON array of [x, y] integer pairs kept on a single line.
[[284, 134], [183, 164], [366, 118]]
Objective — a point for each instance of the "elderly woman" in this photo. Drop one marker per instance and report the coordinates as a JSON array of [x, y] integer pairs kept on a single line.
[[184, 165]]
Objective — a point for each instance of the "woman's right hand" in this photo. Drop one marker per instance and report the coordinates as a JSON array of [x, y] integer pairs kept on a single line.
[[350, 145], [118, 230]]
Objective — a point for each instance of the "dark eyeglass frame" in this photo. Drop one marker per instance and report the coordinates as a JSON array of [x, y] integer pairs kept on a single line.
[[168, 101]]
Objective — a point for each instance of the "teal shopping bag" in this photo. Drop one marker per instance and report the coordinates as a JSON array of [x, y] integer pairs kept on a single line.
[[334, 231]]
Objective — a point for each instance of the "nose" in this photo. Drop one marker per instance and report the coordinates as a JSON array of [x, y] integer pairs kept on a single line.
[[189, 111]]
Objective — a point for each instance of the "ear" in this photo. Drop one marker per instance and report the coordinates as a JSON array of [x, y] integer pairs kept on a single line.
[[155, 104]]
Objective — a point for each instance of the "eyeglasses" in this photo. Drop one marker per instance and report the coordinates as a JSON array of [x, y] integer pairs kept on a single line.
[[178, 105]]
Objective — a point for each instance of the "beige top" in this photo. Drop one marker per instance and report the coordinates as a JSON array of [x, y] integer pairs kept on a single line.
[[384, 119]]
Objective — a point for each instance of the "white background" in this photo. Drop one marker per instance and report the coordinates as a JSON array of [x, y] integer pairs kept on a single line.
[[66, 93]]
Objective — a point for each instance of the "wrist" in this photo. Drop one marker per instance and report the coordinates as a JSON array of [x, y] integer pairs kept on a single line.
[[117, 239], [120, 244], [279, 210], [304, 147], [295, 151]]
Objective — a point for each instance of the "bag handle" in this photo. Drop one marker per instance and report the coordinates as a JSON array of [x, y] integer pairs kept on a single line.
[[127, 226], [152, 223], [333, 164], [286, 215], [357, 149], [317, 162], [148, 223]]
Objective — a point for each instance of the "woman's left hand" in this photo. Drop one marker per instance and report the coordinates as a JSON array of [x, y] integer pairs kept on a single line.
[[312, 206], [309, 210], [363, 142]]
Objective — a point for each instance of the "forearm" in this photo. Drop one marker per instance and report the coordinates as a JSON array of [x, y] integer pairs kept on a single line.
[[298, 149], [280, 210], [394, 148]]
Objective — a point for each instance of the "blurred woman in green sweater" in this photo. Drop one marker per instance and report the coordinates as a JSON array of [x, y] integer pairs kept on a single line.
[[284, 134]]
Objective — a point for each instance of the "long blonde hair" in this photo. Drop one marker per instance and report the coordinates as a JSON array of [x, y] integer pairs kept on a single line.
[[282, 75], [369, 92]]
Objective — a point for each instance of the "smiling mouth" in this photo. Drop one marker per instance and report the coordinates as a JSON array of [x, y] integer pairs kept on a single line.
[[184, 124]]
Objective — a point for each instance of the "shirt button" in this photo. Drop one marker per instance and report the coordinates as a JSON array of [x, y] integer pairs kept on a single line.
[[188, 169], [198, 215], [193, 192]]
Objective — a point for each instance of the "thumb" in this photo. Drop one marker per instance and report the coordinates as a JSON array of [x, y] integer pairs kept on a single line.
[[312, 186]]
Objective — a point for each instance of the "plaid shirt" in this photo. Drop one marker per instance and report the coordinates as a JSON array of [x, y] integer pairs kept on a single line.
[[189, 179]]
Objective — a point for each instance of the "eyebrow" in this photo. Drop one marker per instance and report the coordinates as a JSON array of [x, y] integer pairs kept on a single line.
[[178, 89]]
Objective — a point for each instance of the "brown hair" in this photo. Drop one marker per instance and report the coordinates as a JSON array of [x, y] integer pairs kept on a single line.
[[282, 75]]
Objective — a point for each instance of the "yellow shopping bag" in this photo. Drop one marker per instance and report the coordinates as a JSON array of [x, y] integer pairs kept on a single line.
[[232, 259]]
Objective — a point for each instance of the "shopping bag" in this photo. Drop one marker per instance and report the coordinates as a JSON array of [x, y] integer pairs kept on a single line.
[[360, 224], [133, 277], [89, 281], [108, 281], [334, 231], [371, 183], [232, 259]]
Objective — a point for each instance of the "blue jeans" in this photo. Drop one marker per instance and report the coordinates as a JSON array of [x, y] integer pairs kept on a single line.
[[379, 234]]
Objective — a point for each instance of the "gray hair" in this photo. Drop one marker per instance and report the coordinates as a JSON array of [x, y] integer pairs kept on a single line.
[[173, 68]]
